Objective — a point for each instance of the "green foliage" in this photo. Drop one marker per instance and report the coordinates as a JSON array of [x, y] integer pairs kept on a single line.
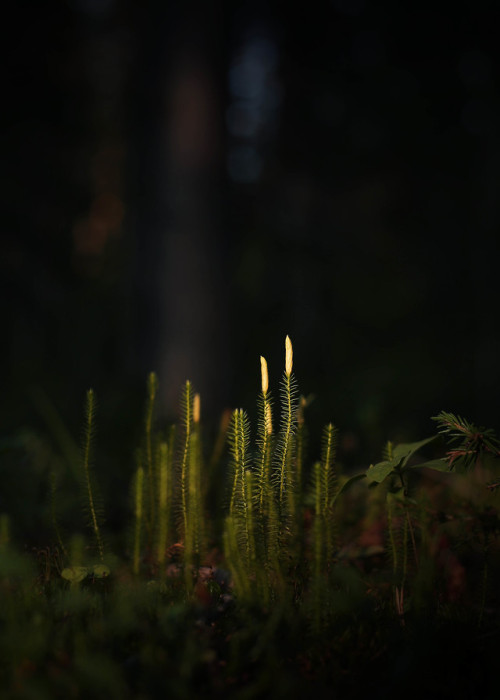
[[76, 574], [399, 463], [470, 442], [306, 573], [239, 449], [194, 533]]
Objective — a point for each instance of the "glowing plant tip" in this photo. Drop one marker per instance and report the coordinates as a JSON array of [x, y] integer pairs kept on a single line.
[[196, 408], [269, 420], [264, 375], [288, 356]]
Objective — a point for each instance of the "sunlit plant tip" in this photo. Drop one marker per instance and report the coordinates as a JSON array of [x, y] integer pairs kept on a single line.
[[196, 408], [288, 356], [264, 375]]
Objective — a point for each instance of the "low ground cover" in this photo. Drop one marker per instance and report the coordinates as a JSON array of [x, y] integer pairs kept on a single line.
[[256, 571]]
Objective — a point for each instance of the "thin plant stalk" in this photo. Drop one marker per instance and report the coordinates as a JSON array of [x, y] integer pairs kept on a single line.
[[89, 428]]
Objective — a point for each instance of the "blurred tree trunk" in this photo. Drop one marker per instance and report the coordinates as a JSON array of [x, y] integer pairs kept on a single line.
[[180, 241]]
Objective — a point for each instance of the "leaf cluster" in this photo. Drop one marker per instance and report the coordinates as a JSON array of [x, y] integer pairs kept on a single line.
[[469, 441]]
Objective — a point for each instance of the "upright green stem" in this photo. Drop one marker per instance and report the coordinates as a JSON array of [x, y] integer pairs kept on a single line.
[[152, 391], [328, 479], [138, 499], [163, 498], [235, 435], [318, 548], [264, 442], [249, 521], [187, 418], [407, 512], [89, 427], [287, 433]]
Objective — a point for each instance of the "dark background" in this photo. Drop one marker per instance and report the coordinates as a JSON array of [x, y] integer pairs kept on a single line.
[[184, 183]]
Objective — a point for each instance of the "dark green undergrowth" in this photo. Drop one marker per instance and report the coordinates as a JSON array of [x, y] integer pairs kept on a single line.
[[247, 568]]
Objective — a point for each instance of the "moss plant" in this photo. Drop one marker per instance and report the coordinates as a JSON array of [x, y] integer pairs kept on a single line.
[[233, 553], [138, 518], [194, 534], [86, 464], [317, 584], [312, 582], [164, 497], [283, 463], [239, 447], [300, 445], [148, 440], [264, 444], [250, 534], [328, 487], [186, 427], [264, 538]]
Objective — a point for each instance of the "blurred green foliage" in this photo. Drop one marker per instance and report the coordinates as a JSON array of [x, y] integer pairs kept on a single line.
[[332, 584]]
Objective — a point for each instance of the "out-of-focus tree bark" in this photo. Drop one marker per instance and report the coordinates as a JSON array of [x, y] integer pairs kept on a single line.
[[179, 229], [192, 339]]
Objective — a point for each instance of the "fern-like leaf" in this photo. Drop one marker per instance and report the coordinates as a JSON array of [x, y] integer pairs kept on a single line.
[[472, 440]]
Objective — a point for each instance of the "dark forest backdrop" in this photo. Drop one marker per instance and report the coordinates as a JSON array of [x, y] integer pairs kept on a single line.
[[184, 183]]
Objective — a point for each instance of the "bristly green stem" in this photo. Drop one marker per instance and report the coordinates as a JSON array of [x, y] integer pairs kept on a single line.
[[287, 433], [187, 420], [264, 440], [234, 434]]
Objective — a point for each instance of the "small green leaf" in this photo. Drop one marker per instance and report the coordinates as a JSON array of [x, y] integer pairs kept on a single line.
[[406, 450], [101, 571], [379, 472], [400, 457], [75, 574], [440, 465]]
